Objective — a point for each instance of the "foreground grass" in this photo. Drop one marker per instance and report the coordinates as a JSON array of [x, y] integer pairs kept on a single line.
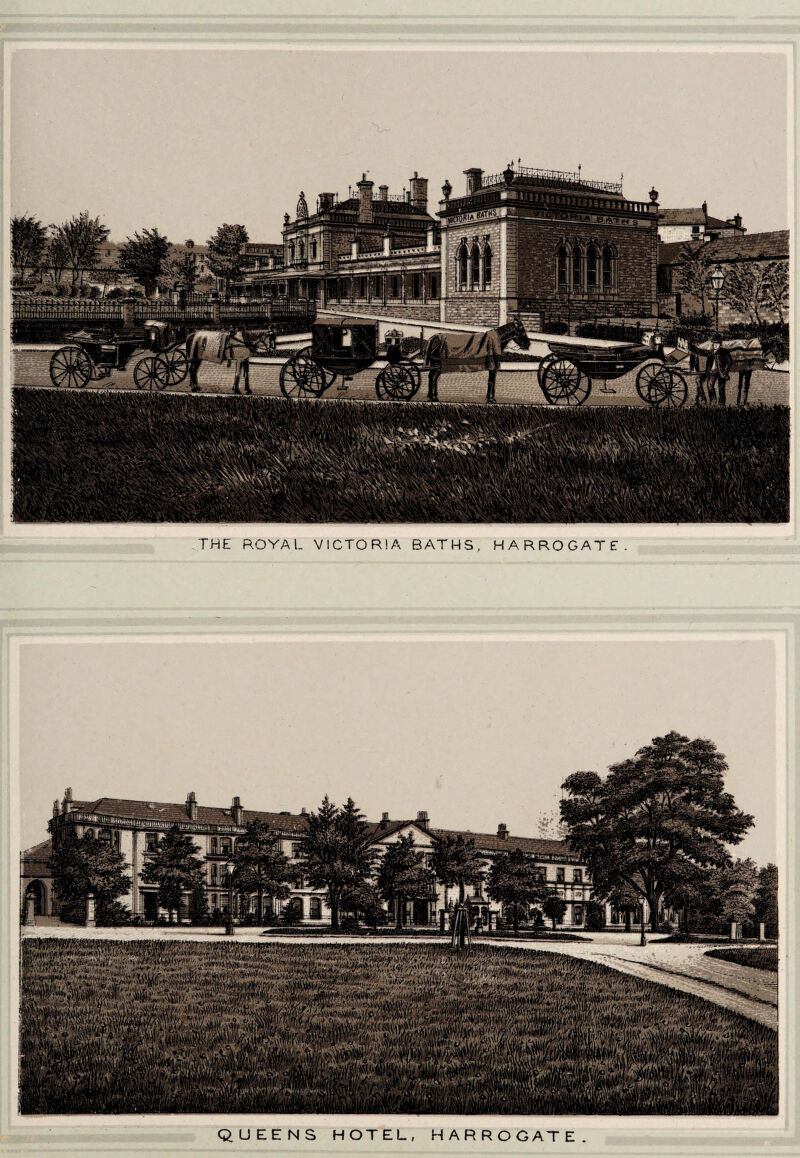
[[189, 1028], [764, 958], [130, 458]]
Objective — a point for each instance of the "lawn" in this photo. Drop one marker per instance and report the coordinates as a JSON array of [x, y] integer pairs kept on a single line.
[[161, 1027], [123, 457], [762, 958]]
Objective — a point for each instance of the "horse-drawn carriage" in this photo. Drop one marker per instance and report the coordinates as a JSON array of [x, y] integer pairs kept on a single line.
[[566, 373], [345, 349], [91, 355]]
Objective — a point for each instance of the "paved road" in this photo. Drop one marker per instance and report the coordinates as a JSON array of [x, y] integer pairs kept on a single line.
[[753, 993], [31, 368]]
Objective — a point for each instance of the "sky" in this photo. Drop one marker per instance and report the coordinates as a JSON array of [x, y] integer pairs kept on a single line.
[[473, 731], [186, 139]]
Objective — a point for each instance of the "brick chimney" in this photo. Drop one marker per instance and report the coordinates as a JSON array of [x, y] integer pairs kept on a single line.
[[383, 192], [325, 201], [502, 831], [365, 199], [191, 806], [704, 207], [384, 820], [66, 804], [474, 178], [55, 809], [423, 820], [236, 811], [419, 192]]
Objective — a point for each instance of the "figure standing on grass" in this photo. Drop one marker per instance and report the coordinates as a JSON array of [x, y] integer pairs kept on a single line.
[[718, 370]]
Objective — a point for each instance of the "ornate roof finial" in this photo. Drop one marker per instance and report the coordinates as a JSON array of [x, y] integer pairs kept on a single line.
[[302, 207]]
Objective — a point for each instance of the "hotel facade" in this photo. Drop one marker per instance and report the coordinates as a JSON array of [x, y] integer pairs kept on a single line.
[[133, 827]]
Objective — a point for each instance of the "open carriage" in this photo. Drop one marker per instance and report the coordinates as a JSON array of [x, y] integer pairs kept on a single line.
[[566, 373], [345, 349], [91, 355]]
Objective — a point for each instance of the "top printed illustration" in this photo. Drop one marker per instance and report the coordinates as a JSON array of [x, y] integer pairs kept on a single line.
[[279, 286]]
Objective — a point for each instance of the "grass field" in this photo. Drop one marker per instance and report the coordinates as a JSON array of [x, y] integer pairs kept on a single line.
[[189, 1028], [765, 958], [122, 457]]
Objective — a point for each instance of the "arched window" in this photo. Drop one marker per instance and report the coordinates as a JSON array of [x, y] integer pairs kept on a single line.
[[213, 845], [562, 267], [475, 267], [461, 267], [291, 251], [104, 835], [487, 266], [577, 269], [301, 250], [315, 909], [591, 267], [225, 845], [608, 268]]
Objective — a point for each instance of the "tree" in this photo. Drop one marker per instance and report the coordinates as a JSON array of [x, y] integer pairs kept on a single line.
[[225, 257], [551, 827], [402, 875], [750, 286], [694, 271], [766, 899], [180, 269], [77, 242], [657, 820], [28, 239], [57, 258], [626, 899], [456, 861], [174, 867], [260, 866], [775, 288], [514, 881], [142, 258], [84, 865], [554, 907], [735, 885], [334, 852], [198, 905]]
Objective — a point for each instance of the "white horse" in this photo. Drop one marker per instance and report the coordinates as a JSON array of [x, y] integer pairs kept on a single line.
[[220, 346]]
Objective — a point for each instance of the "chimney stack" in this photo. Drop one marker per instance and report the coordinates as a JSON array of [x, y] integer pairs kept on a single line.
[[419, 192], [383, 192], [474, 179], [354, 247], [704, 207], [384, 819], [55, 809], [422, 820], [365, 199], [387, 243], [502, 832], [303, 811], [191, 806], [236, 811], [66, 805]]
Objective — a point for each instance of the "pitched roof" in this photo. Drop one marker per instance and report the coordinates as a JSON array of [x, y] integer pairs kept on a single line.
[[35, 862], [681, 217], [494, 843], [739, 247]]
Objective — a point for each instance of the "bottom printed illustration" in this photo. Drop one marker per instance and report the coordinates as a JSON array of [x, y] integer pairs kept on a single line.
[[511, 875]]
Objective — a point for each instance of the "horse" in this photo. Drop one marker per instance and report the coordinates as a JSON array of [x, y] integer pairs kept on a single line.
[[220, 346], [457, 352]]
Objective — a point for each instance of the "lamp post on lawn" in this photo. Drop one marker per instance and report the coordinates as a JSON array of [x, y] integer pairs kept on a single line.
[[229, 921], [717, 280], [642, 938]]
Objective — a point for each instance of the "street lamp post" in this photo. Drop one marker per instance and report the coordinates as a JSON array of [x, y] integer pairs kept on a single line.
[[717, 280], [229, 922], [642, 938]]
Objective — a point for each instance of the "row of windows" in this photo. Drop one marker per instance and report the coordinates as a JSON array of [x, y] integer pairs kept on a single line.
[[300, 250], [373, 287], [588, 269], [474, 267]]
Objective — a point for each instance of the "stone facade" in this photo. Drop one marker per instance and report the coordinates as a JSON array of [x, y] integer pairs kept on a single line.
[[133, 826]]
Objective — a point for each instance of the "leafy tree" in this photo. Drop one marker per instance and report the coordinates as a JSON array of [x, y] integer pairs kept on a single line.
[[657, 820], [514, 881], [225, 256], [766, 899], [28, 240], [735, 885], [334, 853], [84, 865], [363, 900], [456, 861], [626, 899], [554, 907], [180, 269], [142, 257], [174, 867], [402, 875], [198, 905], [292, 912], [260, 866], [695, 270], [76, 243]]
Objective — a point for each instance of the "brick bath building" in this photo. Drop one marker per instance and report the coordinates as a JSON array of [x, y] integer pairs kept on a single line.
[[544, 243], [134, 826]]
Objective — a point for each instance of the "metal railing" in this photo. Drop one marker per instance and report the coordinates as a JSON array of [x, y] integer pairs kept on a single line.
[[558, 177]]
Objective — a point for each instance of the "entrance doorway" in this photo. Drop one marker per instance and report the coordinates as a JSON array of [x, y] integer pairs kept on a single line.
[[150, 906], [420, 916], [36, 891]]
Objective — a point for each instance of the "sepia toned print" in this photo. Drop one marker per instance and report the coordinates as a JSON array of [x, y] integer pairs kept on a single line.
[[477, 287], [605, 948]]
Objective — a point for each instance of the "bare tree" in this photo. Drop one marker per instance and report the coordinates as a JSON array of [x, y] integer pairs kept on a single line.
[[745, 287], [775, 288], [694, 272]]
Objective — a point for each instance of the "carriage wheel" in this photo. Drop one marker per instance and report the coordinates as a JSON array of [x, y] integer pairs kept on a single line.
[[177, 366], [543, 365], [302, 375], [563, 384], [659, 386], [399, 382], [71, 366], [150, 373]]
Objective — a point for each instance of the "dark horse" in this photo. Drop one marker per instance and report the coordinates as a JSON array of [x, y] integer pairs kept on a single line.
[[220, 346], [456, 352]]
